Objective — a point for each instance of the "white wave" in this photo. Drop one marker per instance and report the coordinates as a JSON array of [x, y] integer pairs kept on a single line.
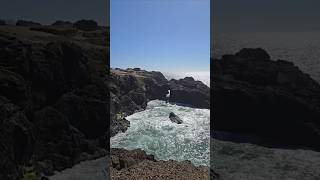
[[152, 131]]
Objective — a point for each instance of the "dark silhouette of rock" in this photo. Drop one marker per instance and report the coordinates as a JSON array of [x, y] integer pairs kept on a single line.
[[174, 118], [27, 23], [272, 99], [53, 105], [2, 23], [86, 25], [190, 92], [62, 23]]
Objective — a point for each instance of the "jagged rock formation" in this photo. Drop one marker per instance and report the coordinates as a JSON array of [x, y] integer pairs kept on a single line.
[[136, 164], [272, 99], [131, 90], [53, 103]]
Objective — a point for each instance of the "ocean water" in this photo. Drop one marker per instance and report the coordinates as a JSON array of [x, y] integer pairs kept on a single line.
[[152, 131], [301, 48], [203, 76]]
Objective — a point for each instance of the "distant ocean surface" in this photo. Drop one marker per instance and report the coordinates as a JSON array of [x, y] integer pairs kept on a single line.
[[301, 48], [152, 131], [203, 76]]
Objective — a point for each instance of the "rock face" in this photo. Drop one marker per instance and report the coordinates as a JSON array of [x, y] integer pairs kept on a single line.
[[190, 92], [272, 99], [136, 164], [174, 118], [131, 89], [54, 105], [86, 25], [27, 23]]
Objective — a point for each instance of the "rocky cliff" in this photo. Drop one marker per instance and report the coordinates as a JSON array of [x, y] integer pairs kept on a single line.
[[272, 99], [131, 89], [53, 101]]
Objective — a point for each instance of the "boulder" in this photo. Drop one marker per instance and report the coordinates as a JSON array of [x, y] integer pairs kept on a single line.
[[174, 118], [190, 92], [86, 25]]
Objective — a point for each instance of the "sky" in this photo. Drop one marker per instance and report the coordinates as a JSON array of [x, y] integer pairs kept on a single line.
[[163, 35], [265, 15], [48, 11]]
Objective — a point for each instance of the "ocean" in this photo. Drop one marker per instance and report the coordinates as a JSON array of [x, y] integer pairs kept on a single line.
[[301, 48], [152, 131]]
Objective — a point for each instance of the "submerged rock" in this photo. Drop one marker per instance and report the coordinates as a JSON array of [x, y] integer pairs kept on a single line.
[[174, 118]]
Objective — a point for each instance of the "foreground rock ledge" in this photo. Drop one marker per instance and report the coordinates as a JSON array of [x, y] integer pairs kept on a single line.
[[136, 164]]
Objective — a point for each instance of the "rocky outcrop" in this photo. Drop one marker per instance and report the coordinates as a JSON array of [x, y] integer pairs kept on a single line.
[[132, 89], [86, 25], [27, 23], [62, 23], [190, 92], [174, 118], [273, 99], [136, 164], [54, 105]]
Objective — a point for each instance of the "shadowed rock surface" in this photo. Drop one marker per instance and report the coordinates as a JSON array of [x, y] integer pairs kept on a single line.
[[53, 101], [272, 99], [190, 92]]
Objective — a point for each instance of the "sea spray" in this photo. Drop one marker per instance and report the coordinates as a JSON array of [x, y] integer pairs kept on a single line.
[[152, 131]]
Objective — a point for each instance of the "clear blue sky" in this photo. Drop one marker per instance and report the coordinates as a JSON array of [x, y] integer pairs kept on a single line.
[[164, 35]]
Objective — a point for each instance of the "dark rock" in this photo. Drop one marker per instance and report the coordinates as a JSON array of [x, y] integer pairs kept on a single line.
[[86, 25], [41, 85], [271, 99], [62, 23], [190, 92], [16, 140], [89, 115], [174, 118], [2, 23], [27, 23]]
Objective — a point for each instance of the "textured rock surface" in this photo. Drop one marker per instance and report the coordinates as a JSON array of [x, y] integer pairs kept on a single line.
[[136, 164], [131, 89], [53, 101], [272, 99], [190, 92]]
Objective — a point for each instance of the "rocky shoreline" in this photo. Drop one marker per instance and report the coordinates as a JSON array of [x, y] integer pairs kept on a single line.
[[54, 97]]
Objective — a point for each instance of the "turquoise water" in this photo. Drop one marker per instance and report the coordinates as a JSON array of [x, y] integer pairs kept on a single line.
[[152, 131]]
